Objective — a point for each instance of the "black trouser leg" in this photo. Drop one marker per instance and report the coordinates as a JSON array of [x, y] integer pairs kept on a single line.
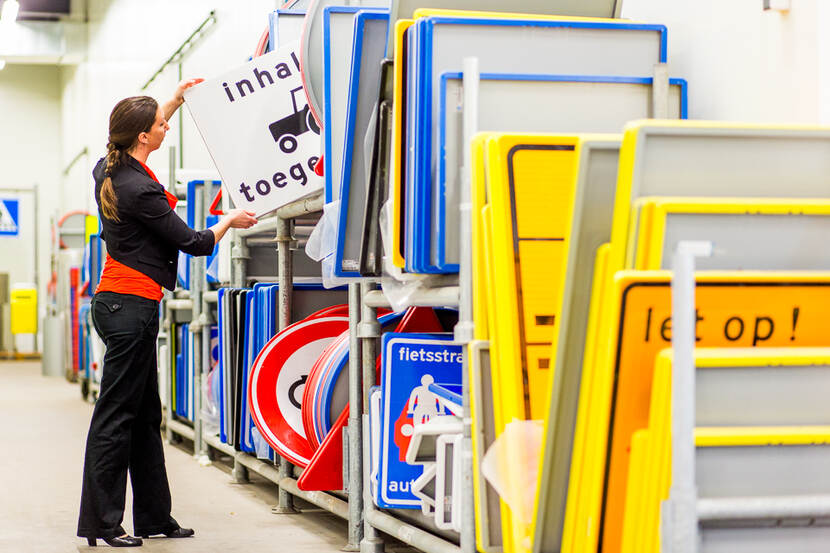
[[148, 476], [128, 326]]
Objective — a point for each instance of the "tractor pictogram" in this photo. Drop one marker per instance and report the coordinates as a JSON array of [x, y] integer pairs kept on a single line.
[[286, 130]]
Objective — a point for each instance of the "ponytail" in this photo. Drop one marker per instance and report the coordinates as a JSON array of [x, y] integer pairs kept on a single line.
[[109, 202], [129, 118]]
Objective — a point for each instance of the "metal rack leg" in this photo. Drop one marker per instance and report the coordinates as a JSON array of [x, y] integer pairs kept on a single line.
[[239, 472], [168, 386], [197, 281], [355, 483], [239, 273], [368, 332], [286, 289], [201, 450], [464, 329]]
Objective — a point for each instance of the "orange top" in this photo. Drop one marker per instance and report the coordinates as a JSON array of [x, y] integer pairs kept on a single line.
[[121, 279]]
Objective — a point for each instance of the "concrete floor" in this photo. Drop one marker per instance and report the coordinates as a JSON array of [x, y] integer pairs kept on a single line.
[[43, 427]]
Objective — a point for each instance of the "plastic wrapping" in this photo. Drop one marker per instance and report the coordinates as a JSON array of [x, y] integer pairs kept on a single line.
[[511, 465], [210, 402], [322, 243], [261, 447]]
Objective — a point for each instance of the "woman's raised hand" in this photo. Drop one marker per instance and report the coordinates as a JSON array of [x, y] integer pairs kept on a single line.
[[239, 218], [184, 85]]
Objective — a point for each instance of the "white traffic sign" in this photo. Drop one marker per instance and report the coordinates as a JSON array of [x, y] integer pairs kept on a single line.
[[259, 131]]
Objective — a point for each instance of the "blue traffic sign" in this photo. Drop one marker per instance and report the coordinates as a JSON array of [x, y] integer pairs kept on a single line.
[[411, 363]]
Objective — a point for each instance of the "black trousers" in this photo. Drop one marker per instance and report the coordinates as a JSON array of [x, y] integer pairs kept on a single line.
[[125, 429]]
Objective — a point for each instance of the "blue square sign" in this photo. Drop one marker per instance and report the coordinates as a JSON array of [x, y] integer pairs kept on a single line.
[[411, 363], [9, 217]]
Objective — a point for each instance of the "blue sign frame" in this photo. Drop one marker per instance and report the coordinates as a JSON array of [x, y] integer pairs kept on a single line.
[[12, 205]]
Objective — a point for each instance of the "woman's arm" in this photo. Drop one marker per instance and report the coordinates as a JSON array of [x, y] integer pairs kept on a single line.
[[171, 105], [236, 218]]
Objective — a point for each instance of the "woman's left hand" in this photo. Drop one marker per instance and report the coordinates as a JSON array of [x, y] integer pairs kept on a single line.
[[184, 85]]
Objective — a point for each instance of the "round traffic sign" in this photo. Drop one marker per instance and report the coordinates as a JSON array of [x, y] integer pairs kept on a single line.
[[278, 377]]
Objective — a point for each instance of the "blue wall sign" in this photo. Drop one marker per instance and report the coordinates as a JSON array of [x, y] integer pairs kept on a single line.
[[9, 217]]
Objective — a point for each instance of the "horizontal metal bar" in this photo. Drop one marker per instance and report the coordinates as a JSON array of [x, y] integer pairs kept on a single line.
[[263, 278], [446, 296], [215, 443], [270, 472], [261, 241], [305, 206], [755, 508], [409, 534], [180, 305], [266, 470], [268, 224], [321, 499], [181, 429], [211, 297]]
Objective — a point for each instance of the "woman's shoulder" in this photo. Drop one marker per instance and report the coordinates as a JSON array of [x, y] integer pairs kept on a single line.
[[131, 173]]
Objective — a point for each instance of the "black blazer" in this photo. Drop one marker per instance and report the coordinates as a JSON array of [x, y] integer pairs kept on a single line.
[[150, 234]]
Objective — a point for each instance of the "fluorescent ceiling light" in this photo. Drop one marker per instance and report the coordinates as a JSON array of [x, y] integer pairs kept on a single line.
[[2, 64], [10, 9]]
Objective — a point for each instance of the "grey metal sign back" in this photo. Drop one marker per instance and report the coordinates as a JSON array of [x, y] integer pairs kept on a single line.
[[722, 160], [289, 27], [362, 97], [751, 241], [311, 48], [718, 160], [590, 228], [489, 504], [405, 9], [337, 61], [527, 103], [762, 395]]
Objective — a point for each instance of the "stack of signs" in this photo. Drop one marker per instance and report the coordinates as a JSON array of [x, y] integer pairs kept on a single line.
[[211, 188], [232, 331], [184, 373], [602, 79], [411, 363], [259, 131], [278, 378]]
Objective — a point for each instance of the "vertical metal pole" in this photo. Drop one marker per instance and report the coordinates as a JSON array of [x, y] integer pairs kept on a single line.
[[202, 452], [197, 271], [286, 289], [168, 386], [683, 495], [368, 332], [355, 461], [171, 163], [239, 272], [464, 328], [660, 92]]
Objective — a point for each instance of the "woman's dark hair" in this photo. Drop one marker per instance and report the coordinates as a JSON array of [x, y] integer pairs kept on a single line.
[[129, 118]]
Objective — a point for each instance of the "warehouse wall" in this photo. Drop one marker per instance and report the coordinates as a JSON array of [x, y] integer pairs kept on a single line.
[[127, 42], [30, 145], [744, 63]]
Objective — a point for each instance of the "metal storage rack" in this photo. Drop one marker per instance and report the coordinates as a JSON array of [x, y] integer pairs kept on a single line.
[[364, 519]]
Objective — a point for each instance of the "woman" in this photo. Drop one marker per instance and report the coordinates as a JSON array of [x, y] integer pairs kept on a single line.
[[143, 236]]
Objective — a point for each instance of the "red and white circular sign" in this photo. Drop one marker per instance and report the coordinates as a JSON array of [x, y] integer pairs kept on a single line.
[[278, 378]]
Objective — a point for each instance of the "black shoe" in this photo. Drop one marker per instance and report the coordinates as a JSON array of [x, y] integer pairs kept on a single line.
[[178, 533], [121, 541]]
